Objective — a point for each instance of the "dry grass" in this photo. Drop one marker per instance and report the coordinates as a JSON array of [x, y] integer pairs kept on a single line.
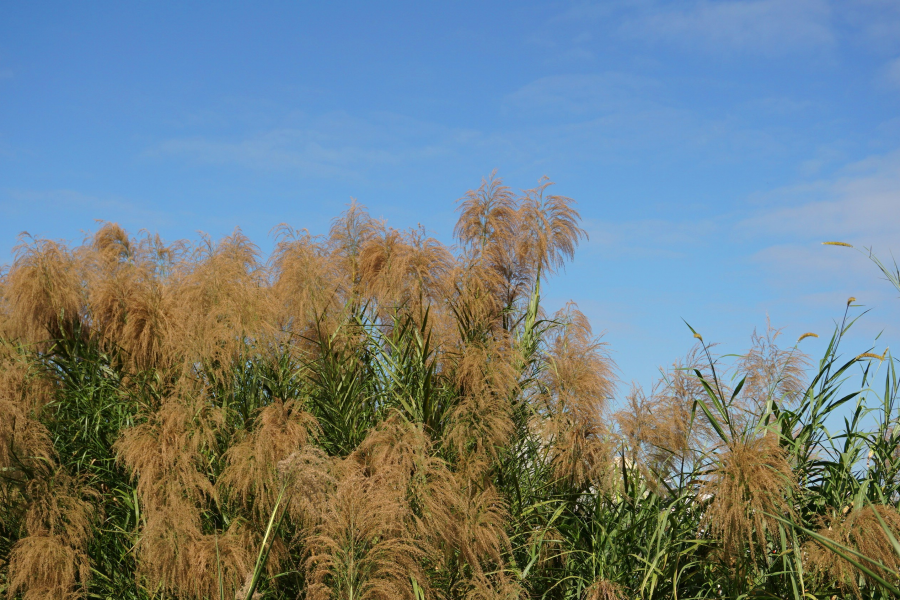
[[168, 457], [482, 422], [576, 384], [130, 303], [177, 557], [499, 587], [166, 453], [44, 291], [24, 441], [311, 477], [44, 567], [511, 238]]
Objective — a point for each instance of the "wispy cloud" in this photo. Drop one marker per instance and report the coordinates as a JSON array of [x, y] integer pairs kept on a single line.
[[621, 117], [874, 23], [767, 256], [282, 149], [764, 27], [330, 145], [861, 204], [33, 204], [767, 27], [777, 239], [892, 73], [577, 94], [650, 238]]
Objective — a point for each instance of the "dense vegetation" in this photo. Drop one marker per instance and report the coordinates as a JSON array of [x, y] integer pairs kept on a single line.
[[375, 415]]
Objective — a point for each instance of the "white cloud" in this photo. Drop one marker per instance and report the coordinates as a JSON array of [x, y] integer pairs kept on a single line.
[[623, 118], [776, 241], [280, 149], [589, 11]]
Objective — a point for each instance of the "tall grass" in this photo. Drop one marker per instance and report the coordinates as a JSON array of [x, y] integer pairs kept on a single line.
[[371, 414]]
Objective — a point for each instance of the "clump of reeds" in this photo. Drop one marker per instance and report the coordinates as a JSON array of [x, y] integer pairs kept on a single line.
[[372, 414]]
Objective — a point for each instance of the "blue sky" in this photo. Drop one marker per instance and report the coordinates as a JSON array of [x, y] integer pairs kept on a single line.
[[711, 146]]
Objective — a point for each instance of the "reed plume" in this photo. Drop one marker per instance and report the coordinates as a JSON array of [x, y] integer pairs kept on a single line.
[[251, 475], [44, 291], [772, 374], [219, 304], [603, 589], [487, 218], [51, 560], [310, 477], [306, 280], [362, 548], [348, 235], [550, 227], [130, 295], [481, 423], [24, 391], [167, 454], [751, 483], [577, 382], [858, 529], [664, 432]]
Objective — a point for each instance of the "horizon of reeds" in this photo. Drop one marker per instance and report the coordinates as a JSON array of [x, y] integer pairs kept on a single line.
[[372, 414]]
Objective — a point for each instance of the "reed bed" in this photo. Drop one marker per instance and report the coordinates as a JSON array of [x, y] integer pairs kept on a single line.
[[373, 415]]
